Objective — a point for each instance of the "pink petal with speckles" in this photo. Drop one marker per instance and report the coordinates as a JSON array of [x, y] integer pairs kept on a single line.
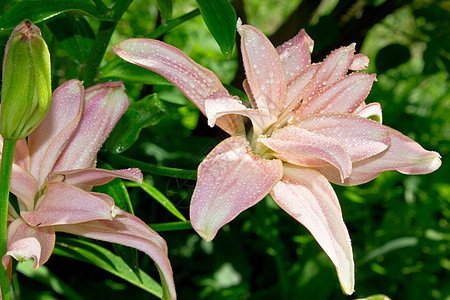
[[344, 96], [360, 62], [86, 178], [310, 199], [51, 136], [215, 108], [295, 54], [104, 105], [230, 180], [264, 70], [332, 69], [362, 138], [403, 155], [371, 110], [25, 242], [24, 187], [196, 82], [65, 204], [305, 148]]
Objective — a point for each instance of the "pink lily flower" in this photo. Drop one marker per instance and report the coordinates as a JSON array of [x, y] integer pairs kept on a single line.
[[54, 171], [310, 127]]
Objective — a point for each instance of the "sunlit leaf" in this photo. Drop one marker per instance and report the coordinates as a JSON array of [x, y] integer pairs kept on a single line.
[[143, 113], [40, 10], [220, 17], [94, 254]]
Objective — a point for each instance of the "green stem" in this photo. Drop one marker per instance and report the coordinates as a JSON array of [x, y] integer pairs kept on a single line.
[[89, 69], [162, 29], [5, 175], [119, 8], [101, 6]]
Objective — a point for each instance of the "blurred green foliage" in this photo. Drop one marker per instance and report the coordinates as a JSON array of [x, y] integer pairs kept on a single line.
[[399, 224]]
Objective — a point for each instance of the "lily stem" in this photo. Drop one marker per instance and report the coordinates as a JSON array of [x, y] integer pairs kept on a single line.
[[5, 179]]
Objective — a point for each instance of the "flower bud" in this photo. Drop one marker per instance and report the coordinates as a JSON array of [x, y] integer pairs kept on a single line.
[[26, 89]]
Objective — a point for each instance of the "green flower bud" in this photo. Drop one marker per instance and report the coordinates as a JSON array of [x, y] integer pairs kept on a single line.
[[26, 89]]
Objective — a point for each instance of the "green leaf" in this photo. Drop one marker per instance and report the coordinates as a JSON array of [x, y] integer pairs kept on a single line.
[[171, 226], [40, 10], [44, 276], [399, 243], [150, 168], [132, 73], [158, 196], [165, 7], [220, 18], [143, 113], [94, 254], [74, 34]]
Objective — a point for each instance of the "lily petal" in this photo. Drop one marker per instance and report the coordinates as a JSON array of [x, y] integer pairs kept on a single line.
[[130, 231], [332, 69], [24, 187], [295, 54], [25, 242], [216, 108], [310, 199], [104, 105], [21, 154], [230, 180], [86, 178], [196, 82], [248, 91], [263, 68], [51, 136], [297, 86], [403, 155], [344, 96], [305, 148], [360, 62], [362, 138], [65, 204], [371, 110], [12, 214]]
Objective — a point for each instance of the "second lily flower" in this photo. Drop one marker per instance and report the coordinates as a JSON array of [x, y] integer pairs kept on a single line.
[[53, 174]]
